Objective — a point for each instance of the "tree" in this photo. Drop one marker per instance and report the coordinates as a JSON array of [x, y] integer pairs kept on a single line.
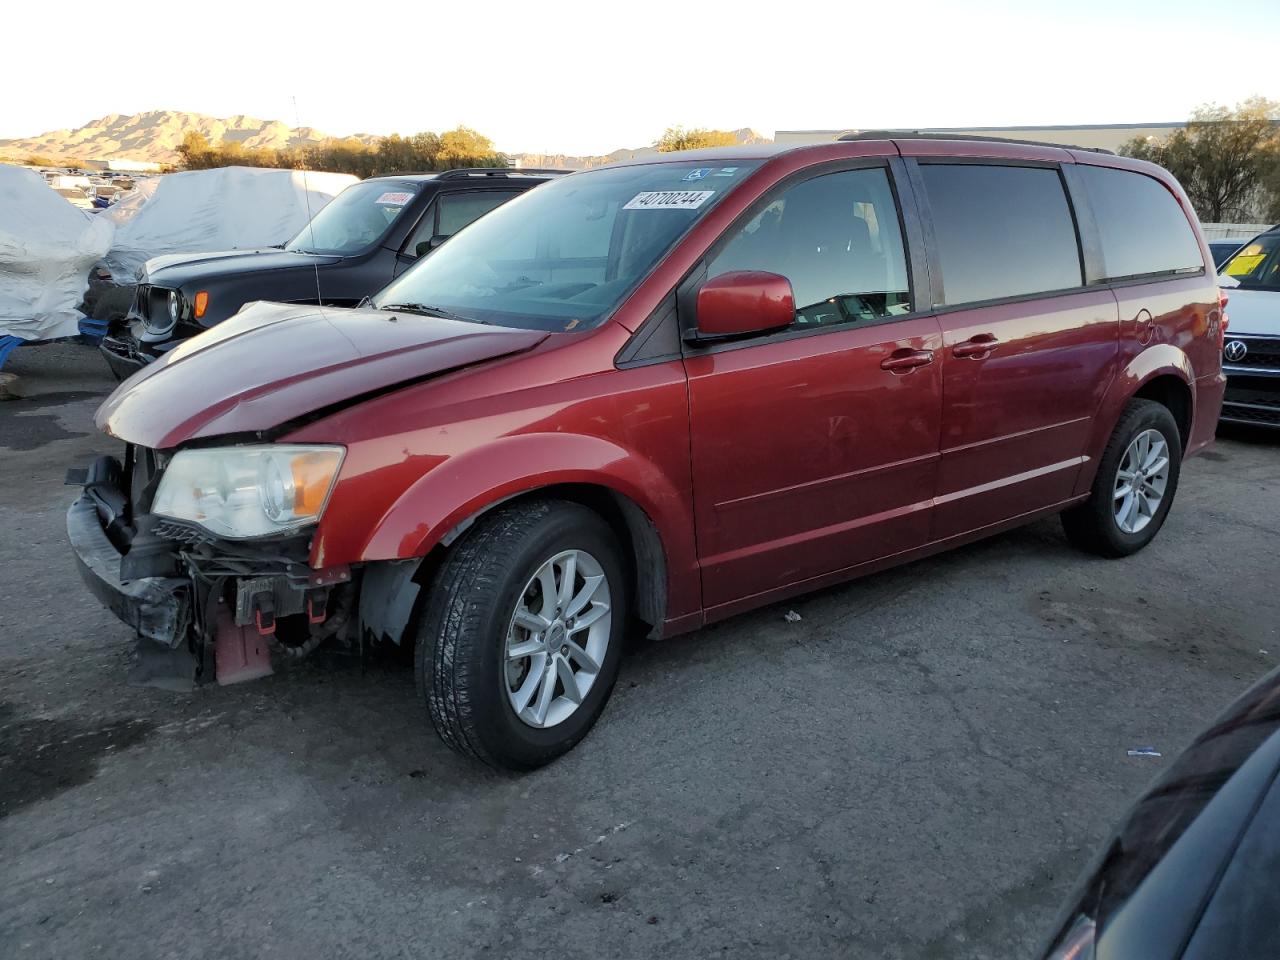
[[196, 152], [1270, 181], [1223, 158], [464, 147], [678, 138]]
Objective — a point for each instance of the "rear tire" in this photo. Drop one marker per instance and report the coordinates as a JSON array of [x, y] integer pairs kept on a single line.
[[487, 601], [1135, 484]]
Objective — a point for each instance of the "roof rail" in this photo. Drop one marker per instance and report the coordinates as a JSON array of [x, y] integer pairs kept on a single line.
[[922, 135], [461, 172], [496, 172]]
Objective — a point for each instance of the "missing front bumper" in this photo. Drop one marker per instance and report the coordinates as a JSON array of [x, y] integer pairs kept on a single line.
[[203, 609], [158, 608]]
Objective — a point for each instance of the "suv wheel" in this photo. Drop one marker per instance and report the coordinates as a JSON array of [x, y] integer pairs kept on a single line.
[[1133, 491], [523, 633]]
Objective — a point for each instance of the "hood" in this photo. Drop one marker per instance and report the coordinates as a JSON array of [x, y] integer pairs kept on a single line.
[[1252, 312], [174, 269], [273, 363]]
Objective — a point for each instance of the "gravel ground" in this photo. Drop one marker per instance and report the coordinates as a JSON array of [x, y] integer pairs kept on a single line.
[[919, 767]]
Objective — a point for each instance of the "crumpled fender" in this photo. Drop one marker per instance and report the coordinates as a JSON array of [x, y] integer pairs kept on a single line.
[[455, 491], [1155, 361]]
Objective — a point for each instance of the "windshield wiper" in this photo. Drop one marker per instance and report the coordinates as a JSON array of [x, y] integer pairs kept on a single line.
[[427, 310]]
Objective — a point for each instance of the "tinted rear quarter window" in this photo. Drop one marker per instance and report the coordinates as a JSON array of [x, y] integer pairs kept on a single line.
[[1002, 231], [456, 210], [1141, 226]]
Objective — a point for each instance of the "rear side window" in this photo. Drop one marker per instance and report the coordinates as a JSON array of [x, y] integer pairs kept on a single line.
[[452, 212], [1142, 227], [1001, 231], [456, 210]]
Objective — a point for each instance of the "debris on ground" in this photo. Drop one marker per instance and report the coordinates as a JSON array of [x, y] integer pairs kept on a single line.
[[792, 617], [1144, 752], [9, 389]]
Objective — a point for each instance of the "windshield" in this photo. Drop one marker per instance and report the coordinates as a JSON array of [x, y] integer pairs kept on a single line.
[[355, 219], [1257, 263], [564, 255]]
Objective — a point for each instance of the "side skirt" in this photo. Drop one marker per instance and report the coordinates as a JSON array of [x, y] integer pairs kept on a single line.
[[733, 607]]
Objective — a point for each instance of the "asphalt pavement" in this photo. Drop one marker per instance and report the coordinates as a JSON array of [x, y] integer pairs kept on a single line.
[[918, 767]]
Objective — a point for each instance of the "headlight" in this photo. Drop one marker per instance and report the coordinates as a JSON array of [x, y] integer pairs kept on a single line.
[[240, 492], [174, 305]]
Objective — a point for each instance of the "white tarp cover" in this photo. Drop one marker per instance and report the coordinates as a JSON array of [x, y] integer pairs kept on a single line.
[[230, 208], [46, 249]]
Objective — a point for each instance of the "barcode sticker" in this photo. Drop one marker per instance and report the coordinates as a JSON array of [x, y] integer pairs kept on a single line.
[[669, 200]]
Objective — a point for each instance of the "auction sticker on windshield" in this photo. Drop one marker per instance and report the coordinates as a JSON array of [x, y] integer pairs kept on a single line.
[[669, 200], [395, 199]]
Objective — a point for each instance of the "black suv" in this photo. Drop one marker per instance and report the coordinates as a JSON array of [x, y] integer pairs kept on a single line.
[[365, 237]]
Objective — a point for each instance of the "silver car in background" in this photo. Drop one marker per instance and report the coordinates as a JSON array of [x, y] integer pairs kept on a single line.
[[1251, 350]]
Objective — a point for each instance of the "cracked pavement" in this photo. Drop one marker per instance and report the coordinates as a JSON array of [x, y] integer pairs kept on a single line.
[[919, 767]]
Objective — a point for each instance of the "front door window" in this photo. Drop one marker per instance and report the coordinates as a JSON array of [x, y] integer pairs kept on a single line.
[[838, 240]]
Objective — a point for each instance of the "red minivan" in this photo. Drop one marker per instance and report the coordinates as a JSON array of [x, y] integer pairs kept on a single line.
[[662, 392]]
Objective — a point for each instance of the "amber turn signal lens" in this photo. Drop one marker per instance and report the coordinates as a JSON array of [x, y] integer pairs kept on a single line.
[[312, 477], [202, 303]]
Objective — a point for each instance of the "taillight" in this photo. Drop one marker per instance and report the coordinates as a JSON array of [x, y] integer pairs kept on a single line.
[[1222, 318]]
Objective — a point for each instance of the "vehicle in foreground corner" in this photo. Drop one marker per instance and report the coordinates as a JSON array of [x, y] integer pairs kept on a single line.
[[1251, 351], [370, 233], [663, 391], [1190, 874]]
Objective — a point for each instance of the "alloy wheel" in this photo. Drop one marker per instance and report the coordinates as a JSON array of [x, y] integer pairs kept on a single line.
[[1140, 481], [557, 638]]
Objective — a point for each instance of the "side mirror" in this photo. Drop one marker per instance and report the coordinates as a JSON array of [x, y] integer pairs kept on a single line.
[[744, 302]]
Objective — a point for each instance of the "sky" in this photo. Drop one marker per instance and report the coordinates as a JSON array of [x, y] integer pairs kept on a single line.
[[587, 78]]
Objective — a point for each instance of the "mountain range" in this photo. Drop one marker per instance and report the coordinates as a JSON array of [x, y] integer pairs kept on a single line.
[[156, 135]]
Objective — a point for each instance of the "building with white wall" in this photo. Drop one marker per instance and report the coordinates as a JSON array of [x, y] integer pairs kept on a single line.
[[123, 165]]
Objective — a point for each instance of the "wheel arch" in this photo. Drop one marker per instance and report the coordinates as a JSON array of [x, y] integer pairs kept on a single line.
[[643, 505], [1162, 373], [636, 532], [1174, 393]]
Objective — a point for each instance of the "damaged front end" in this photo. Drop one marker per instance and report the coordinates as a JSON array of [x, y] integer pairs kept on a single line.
[[204, 607]]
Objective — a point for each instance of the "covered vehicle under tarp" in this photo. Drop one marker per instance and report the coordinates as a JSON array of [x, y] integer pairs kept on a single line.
[[229, 208], [46, 249]]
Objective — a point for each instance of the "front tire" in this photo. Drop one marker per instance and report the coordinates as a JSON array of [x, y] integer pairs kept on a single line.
[[1135, 484], [523, 633]]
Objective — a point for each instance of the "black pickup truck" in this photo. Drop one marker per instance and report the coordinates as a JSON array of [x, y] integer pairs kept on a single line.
[[365, 237]]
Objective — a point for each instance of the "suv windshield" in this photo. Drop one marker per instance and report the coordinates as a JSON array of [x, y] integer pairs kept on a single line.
[[564, 255], [1257, 263], [354, 219]]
